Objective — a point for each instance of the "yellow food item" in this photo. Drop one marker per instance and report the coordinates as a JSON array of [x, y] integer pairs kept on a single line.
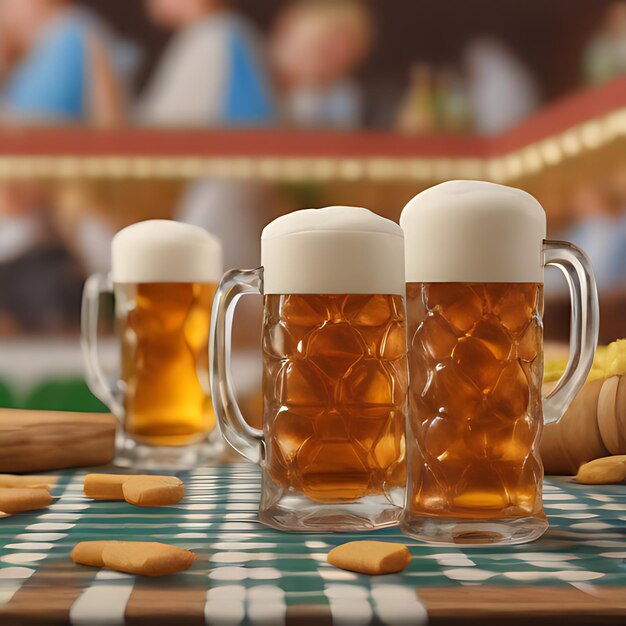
[[600, 357], [553, 374], [144, 490], [595, 374], [18, 499], [105, 486], [615, 363], [148, 558], [608, 361], [89, 553], [370, 557], [605, 471], [153, 490], [30, 482]]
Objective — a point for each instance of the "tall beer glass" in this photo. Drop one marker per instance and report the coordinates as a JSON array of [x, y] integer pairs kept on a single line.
[[164, 276], [334, 370], [475, 254]]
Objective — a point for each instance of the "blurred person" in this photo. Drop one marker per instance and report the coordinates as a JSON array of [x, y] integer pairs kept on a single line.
[[85, 226], [40, 282], [316, 47], [212, 73], [605, 56], [4, 54], [600, 231], [502, 90], [234, 211], [61, 67], [21, 226]]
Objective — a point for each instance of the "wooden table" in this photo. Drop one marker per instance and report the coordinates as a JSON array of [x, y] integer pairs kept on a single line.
[[248, 574]]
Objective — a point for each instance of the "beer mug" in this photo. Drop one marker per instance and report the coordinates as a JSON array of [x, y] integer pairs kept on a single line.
[[164, 276], [475, 255], [332, 448]]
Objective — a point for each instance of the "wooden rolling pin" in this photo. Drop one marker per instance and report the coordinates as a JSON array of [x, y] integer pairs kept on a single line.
[[593, 426], [32, 441]]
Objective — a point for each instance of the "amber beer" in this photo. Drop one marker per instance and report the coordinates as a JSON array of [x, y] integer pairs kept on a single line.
[[335, 381], [474, 399], [332, 448], [163, 276], [475, 256], [164, 328]]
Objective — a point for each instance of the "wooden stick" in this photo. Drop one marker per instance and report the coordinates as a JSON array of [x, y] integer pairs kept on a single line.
[[33, 441]]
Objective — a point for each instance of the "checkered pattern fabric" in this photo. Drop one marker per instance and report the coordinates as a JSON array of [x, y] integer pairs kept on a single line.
[[249, 574]]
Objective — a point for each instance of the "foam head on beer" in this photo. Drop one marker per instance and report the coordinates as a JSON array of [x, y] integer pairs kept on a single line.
[[474, 231], [334, 250], [165, 251]]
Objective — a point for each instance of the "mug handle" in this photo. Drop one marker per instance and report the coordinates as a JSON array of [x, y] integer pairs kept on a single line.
[[97, 381], [584, 324], [245, 439]]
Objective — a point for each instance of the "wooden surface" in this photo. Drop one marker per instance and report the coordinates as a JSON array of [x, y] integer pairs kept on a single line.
[[534, 605], [33, 441]]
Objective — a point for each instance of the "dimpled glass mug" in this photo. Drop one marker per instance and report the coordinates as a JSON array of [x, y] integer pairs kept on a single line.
[[475, 255], [164, 276], [332, 449]]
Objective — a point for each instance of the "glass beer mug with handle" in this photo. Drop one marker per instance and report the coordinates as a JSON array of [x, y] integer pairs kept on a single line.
[[332, 449], [475, 256], [164, 276]]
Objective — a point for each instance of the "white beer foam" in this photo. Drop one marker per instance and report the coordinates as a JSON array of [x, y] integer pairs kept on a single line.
[[165, 251], [337, 249], [474, 231]]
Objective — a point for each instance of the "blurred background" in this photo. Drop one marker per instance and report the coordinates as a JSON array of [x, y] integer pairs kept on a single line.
[[227, 114]]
